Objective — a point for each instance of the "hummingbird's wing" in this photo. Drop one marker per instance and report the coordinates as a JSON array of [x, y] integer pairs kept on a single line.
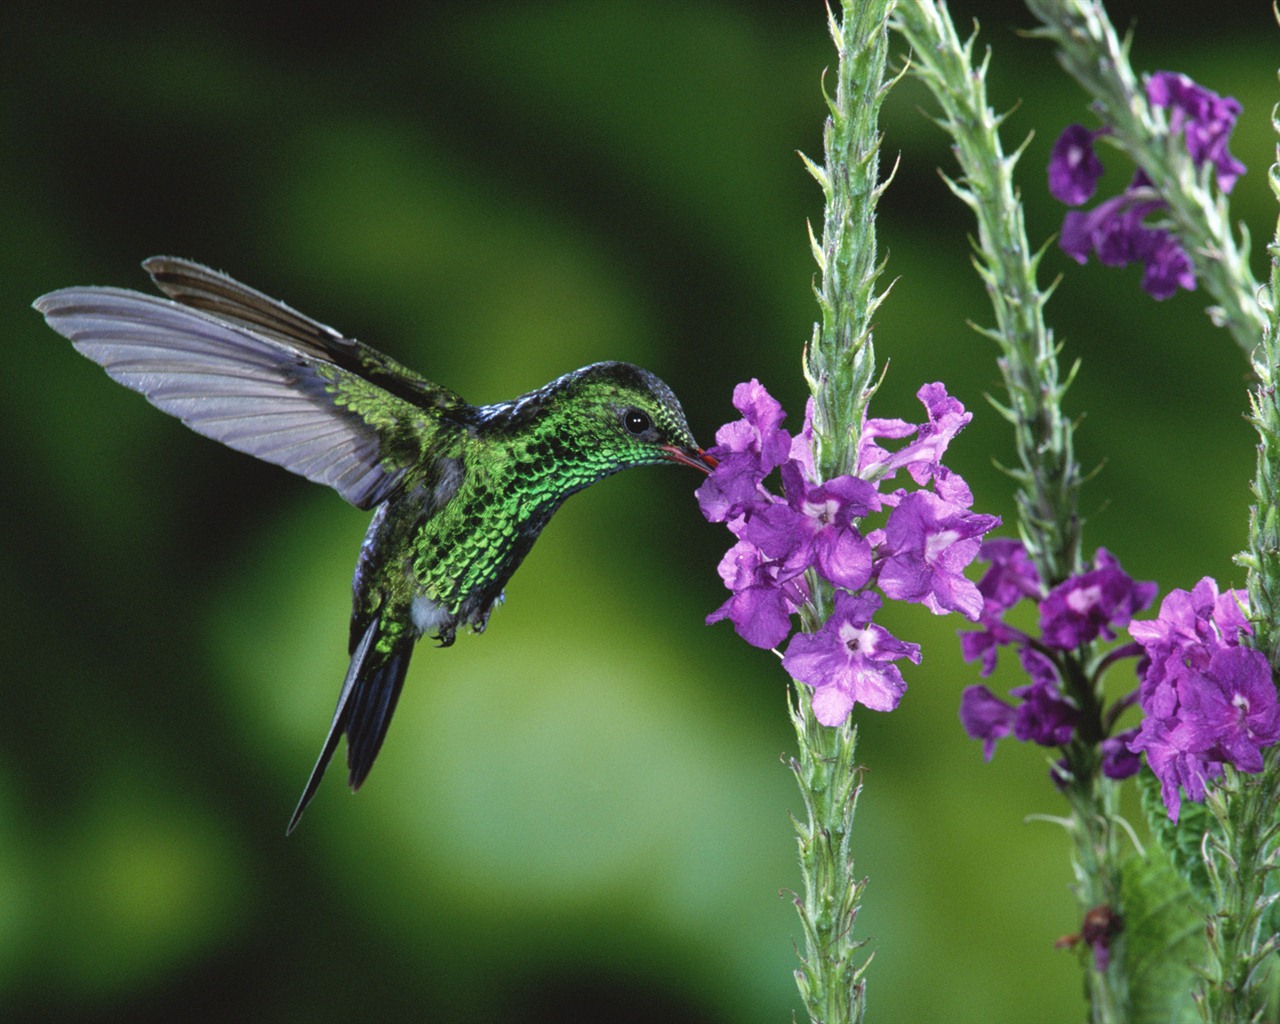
[[261, 389], [225, 298]]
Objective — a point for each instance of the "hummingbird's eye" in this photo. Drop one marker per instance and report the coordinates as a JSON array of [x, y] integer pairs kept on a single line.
[[636, 421]]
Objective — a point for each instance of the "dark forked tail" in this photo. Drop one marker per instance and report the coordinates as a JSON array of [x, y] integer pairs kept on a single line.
[[365, 705]]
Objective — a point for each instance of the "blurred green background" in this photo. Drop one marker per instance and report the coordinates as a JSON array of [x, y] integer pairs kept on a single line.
[[582, 815]]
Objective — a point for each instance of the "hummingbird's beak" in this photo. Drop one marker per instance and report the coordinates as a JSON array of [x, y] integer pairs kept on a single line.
[[695, 457]]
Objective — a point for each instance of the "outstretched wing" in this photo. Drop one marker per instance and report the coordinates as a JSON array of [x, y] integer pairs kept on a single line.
[[226, 299], [259, 386]]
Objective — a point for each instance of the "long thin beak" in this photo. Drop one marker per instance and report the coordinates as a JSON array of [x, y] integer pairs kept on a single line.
[[695, 457]]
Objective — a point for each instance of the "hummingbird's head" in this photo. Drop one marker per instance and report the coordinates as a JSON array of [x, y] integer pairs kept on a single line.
[[619, 415]]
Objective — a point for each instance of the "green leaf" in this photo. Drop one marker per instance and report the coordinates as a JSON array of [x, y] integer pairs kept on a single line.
[[1180, 840], [1164, 939]]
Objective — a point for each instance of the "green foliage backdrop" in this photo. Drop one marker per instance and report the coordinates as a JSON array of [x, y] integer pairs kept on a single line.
[[581, 815]]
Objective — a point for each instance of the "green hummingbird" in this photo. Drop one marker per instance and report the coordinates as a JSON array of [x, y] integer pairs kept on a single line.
[[460, 492]]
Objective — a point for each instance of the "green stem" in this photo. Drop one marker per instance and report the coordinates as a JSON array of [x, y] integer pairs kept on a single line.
[[1048, 476], [1262, 560], [1094, 56], [1241, 852], [839, 365], [1095, 861], [840, 360], [830, 976], [1240, 855]]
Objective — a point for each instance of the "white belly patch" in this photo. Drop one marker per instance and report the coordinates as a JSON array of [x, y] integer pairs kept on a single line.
[[428, 616]]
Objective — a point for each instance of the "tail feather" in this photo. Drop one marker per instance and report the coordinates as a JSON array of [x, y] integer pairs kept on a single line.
[[365, 705], [374, 706]]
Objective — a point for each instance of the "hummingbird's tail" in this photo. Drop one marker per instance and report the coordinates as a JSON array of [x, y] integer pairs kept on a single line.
[[365, 705]]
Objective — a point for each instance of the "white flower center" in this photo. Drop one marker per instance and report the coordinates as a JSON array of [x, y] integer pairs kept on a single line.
[[1084, 598], [936, 543], [857, 641]]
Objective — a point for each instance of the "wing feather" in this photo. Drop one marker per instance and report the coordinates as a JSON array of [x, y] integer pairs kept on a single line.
[[197, 286], [253, 389]]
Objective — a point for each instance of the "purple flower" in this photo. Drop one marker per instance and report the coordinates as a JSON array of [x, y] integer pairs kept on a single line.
[[1174, 758], [985, 717], [1081, 232], [802, 444], [1232, 709], [765, 595], [1167, 266], [815, 526], [926, 546], [927, 540], [1043, 717], [850, 660], [1074, 168], [1119, 233], [1207, 700], [1204, 118], [985, 643], [1190, 626], [1118, 760], [1115, 231], [1075, 613], [747, 450], [923, 456], [1093, 604], [1012, 575]]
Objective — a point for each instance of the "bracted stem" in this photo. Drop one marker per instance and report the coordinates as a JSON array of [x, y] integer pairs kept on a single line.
[[1048, 476], [839, 365], [830, 976], [1242, 852], [840, 360], [1240, 855]]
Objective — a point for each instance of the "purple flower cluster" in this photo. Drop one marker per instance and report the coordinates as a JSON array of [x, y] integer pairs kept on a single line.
[[1090, 606], [818, 527], [1207, 699], [1115, 230], [1204, 119]]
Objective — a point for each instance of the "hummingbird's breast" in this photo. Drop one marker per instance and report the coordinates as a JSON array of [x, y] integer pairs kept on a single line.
[[477, 523]]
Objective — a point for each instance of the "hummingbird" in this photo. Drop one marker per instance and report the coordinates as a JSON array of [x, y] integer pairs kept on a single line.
[[459, 492]]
